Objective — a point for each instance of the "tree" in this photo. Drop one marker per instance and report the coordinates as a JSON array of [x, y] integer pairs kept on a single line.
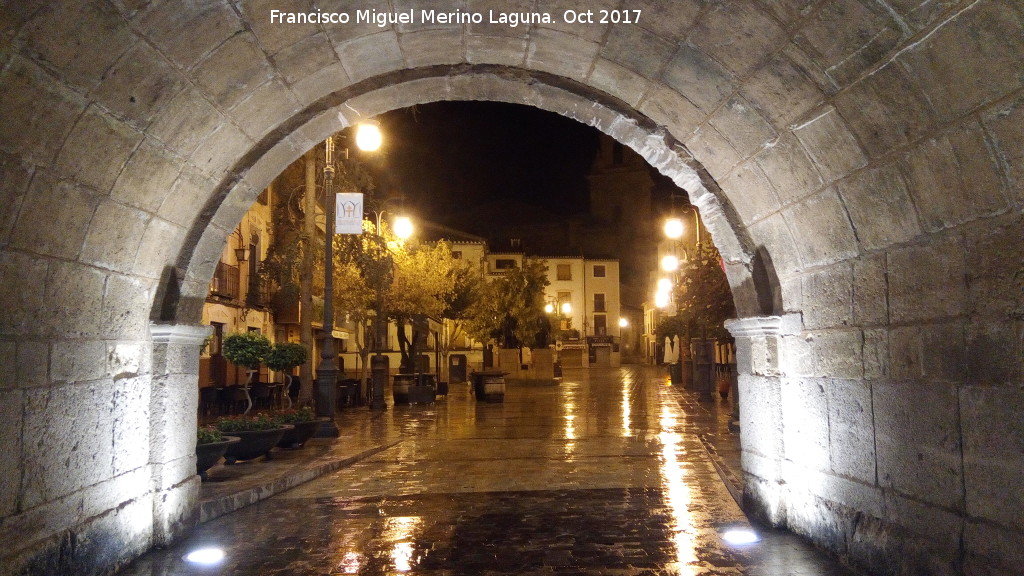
[[294, 262], [285, 356], [467, 284], [511, 308], [424, 284], [703, 299], [363, 272], [248, 349]]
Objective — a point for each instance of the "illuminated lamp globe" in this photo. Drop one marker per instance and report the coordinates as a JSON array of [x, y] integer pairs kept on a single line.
[[661, 299], [664, 285], [623, 322], [403, 227], [669, 263], [566, 308], [368, 137], [549, 308], [674, 228]]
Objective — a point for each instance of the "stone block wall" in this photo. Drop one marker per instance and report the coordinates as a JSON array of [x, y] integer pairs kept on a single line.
[[859, 164]]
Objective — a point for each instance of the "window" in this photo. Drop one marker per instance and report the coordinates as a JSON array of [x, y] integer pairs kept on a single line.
[[217, 342], [599, 303], [504, 264], [456, 254], [600, 325], [564, 272], [599, 271]]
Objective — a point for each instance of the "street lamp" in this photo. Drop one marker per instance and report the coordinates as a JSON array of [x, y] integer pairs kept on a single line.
[[403, 228], [674, 228], [327, 370]]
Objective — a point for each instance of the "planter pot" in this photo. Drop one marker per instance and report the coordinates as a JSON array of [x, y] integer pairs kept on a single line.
[[299, 434], [401, 386], [489, 386], [422, 394], [254, 444], [207, 455]]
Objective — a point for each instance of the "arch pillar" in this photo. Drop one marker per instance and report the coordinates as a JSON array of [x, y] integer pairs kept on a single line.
[[173, 420], [759, 371]]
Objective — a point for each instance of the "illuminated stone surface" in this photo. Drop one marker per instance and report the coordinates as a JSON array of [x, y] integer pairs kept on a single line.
[[602, 474], [817, 138]]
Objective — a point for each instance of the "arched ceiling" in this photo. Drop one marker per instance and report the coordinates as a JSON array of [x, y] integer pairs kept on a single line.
[[809, 132]]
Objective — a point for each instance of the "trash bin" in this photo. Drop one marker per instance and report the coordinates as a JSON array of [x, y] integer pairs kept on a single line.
[[675, 371]]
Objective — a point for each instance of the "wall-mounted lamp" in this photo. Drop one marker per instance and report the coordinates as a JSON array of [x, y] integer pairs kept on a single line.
[[242, 251]]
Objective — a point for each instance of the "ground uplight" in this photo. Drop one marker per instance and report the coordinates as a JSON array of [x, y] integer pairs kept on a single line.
[[740, 536], [205, 556]]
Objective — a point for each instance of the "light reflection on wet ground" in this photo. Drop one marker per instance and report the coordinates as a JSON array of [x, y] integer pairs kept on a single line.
[[602, 474]]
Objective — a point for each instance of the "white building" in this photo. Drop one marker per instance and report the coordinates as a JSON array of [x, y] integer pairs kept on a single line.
[[591, 289]]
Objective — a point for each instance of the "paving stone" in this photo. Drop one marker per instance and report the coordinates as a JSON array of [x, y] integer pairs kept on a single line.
[[602, 474]]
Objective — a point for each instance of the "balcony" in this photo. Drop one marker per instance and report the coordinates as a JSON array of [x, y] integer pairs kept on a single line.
[[225, 281]]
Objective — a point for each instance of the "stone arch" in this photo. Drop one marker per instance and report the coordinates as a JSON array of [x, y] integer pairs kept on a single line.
[[866, 155], [182, 302]]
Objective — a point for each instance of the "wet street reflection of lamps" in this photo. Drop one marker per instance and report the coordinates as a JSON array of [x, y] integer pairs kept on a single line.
[[368, 139], [403, 229]]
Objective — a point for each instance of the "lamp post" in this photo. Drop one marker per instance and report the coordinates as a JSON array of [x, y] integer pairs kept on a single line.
[[378, 365], [327, 370]]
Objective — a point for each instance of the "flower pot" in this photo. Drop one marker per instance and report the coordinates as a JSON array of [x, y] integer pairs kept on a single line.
[[254, 443], [422, 394], [489, 386], [207, 455], [401, 386], [300, 433]]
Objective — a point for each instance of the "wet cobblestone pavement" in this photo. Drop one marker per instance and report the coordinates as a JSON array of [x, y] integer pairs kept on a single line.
[[603, 474]]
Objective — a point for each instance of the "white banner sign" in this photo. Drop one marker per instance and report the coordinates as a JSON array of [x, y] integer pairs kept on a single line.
[[348, 215]]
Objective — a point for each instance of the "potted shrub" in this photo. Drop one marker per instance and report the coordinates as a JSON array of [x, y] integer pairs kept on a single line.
[[211, 444], [259, 434], [284, 357], [304, 424], [247, 349]]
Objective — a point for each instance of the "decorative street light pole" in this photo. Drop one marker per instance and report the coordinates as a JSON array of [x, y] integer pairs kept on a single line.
[[327, 370], [367, 138], [378, 364]]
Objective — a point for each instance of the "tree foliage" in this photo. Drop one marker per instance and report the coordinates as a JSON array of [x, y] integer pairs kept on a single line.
[[510, 308], [248, 349], [703, 300], [286, 355]]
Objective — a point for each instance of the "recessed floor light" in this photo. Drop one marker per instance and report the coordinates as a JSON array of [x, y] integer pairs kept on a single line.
[[740, 536], [205, 556]]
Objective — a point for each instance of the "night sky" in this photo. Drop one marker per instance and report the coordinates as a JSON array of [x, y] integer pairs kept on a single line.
[[459, 163]]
